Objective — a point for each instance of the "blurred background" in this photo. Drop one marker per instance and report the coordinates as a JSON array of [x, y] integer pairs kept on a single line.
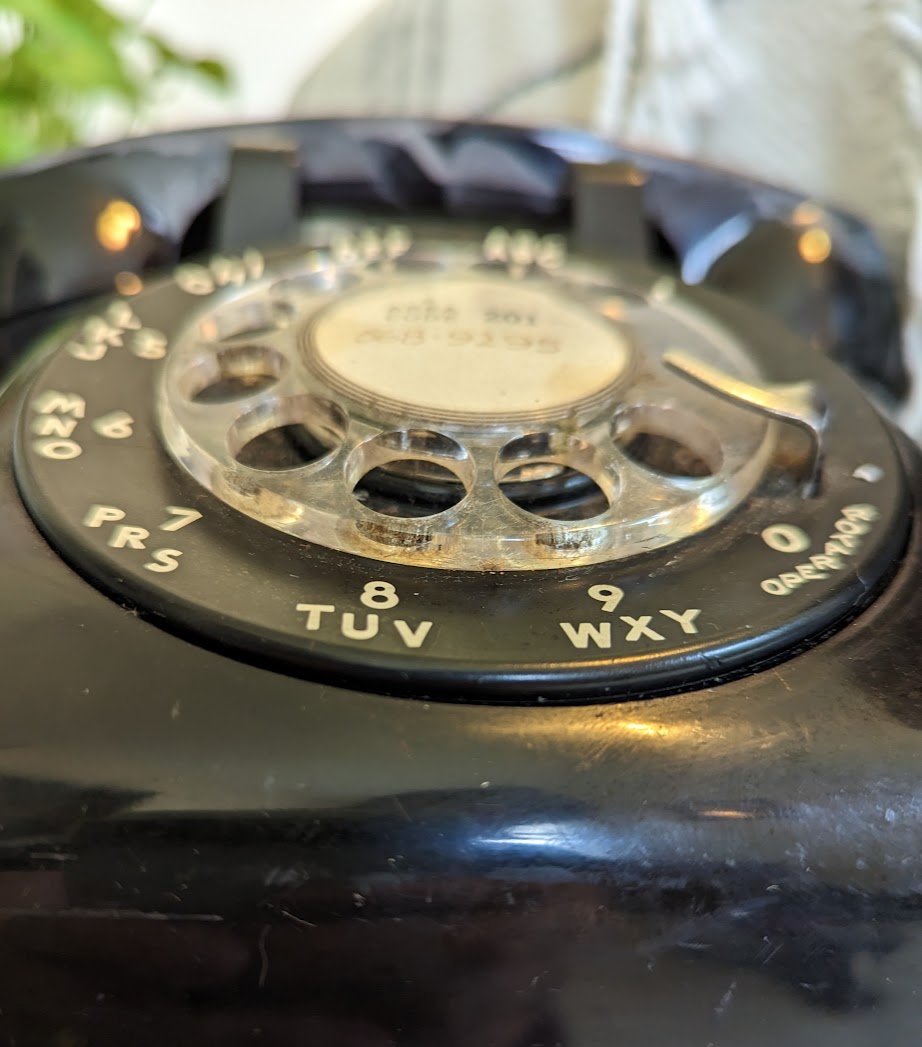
[[824, 97], [267, 48], [96, 70]]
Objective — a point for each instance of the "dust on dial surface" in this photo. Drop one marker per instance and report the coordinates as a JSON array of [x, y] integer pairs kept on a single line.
[[462, 463]]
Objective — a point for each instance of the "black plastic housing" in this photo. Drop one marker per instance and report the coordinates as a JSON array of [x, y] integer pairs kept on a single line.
[[198, 850]]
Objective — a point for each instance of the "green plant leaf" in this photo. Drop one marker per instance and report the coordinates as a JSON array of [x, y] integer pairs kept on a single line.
[[18, 138], [72, 56], [214, 71], [171, 61]]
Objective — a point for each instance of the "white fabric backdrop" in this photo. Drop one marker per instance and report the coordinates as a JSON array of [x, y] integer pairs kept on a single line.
[[823, 96]]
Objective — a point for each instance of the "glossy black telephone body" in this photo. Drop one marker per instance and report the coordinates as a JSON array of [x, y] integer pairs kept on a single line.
[[257, 788]]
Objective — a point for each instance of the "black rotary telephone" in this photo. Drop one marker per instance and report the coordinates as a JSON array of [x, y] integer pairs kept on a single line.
[[452, 592]]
